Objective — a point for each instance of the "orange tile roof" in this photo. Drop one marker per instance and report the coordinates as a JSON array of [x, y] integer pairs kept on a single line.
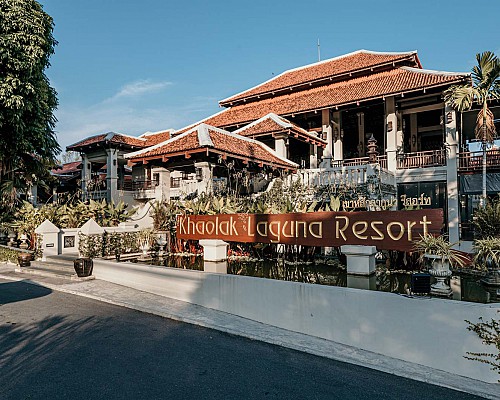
[[377, 85], [205, 136], [110, 137], [326, 69], [67, 168], [153, 138], [272, 123]]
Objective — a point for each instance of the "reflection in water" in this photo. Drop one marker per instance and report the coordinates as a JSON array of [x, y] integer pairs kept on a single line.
[[465, 286]]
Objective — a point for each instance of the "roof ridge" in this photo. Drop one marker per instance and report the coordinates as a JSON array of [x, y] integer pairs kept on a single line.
[[434, 72], [204, 138]]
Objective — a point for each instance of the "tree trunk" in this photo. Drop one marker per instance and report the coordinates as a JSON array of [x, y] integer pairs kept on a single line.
[[484, 159]]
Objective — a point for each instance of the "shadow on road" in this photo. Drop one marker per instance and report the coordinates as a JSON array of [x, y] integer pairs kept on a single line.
[[11, 292]]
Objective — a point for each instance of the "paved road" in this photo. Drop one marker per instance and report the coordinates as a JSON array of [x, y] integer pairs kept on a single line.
[[59, 346]]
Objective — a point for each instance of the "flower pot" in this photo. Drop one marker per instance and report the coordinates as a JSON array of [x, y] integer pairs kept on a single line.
[[24, 259], [439, 268], [83, 267]]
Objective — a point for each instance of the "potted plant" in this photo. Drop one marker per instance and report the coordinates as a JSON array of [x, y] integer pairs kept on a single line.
[[146, 238], [89, 247], [24, 259], [487, 257], [437, 253]]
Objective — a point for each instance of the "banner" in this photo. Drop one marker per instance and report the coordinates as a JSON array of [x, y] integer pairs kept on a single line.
[[390, 230]]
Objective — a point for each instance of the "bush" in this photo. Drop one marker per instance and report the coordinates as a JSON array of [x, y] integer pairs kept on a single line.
[[7, 254], [487, 220]]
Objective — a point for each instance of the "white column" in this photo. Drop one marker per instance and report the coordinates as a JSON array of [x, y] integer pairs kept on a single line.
[[361, 134], [112, 175], [391, 123], [86, 175], [450, 118], [214, 250], [327, 129], [360, 259], [338, 146], [50, 239], [206, 184], [313, 156], [162, 191], [280, 145]]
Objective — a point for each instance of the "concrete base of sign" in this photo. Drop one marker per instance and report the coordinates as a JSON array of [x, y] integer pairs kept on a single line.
[[215, 267], [360, 259], [214, 249], [362, 282]]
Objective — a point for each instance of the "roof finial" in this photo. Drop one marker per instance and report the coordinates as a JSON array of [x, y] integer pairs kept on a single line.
[[319, 51]]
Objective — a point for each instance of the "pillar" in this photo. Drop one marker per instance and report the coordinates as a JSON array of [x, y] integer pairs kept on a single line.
[[86, 175], [162, 191], [450, 118], [413, 133], [206, 183], [338, 146], [50, 239], [360, 259], [112, 175], [313, 156], [391, 124], [280, 145], [361, 134], [327, 131], [214, 250]]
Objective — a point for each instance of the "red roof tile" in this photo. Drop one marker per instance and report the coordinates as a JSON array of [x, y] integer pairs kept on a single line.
[[156, 137], [67, 168], [326, 69], [110, 137], [376, 85], [272, 123], [205, 136]]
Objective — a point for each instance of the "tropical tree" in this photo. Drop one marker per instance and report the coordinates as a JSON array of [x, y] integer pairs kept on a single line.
[[485, 86], [27, 101]]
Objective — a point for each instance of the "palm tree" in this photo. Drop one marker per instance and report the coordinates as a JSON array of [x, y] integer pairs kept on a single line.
[[485, 86]]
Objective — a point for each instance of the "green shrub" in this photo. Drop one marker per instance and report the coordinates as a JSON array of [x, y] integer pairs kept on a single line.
[[487, 220]]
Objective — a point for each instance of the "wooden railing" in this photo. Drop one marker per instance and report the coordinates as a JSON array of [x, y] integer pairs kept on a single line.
[[422, 159], [472, 161]]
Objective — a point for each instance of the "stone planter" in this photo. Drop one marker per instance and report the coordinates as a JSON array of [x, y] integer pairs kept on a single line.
[[24, 260], [83, 267], [440, 269]]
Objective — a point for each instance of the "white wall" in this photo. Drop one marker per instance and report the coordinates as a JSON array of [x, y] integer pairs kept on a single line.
[[430, 332]]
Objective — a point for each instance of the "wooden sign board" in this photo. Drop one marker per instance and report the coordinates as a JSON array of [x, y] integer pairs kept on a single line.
[[390, 230]]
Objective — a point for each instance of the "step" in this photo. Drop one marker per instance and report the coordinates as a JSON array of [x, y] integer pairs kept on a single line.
[[54, 273]]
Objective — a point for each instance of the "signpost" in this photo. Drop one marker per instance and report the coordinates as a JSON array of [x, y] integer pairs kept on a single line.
[[391, 230]]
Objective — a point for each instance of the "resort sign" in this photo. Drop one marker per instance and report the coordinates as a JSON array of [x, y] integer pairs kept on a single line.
[[391, 230]]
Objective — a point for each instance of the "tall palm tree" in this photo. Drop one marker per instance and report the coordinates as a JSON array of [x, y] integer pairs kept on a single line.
[[485, 86]]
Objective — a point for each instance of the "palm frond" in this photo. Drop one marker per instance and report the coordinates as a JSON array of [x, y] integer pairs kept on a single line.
[[461, 97], [486, 71]]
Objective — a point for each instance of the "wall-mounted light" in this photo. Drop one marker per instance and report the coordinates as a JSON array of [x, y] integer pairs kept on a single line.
[[389, 126], [449, 117], [114, 162]]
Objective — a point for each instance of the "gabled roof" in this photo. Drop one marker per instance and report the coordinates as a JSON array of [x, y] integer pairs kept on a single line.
[[273, 124], [110, 137], [367, 87], [153, 138], [346, 64], [211, 139]]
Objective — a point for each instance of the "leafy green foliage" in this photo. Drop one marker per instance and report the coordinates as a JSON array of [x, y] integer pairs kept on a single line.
[[9, 255], [90, 246], [487, 220], [27, 140], [439, 246], [489, 333], [487, 251]]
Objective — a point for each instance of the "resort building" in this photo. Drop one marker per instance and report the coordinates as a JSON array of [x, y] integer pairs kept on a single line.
[[344, 118]]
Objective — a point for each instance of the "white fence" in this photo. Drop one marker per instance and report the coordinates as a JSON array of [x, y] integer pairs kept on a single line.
[[430, 332]]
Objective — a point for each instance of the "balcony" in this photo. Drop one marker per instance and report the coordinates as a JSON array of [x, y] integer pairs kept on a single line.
[[472, 161], [143, 189], [422, 159]]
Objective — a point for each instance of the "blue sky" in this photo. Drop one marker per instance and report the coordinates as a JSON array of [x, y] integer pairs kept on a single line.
[[137, 66]]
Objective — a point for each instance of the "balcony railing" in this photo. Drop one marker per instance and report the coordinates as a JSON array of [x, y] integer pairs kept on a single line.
[[422, 159], [352, 162], [472, 161]]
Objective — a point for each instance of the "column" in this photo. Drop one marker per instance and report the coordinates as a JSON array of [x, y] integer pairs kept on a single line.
[[413, 132], [112, 175], [86, 175], [214, 250], [450, 118], [338, 145], [313, 156], [360, 259], [162, 191], [391, 123], [327, 131], [280, 145], [361, 134], [205, 184]]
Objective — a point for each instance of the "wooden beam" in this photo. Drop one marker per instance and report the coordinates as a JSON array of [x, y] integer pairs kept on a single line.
[[164, 158], [187, 155], [144, 161]]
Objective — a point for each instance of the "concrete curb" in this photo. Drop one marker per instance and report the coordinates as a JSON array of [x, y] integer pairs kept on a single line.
[[234, 325]]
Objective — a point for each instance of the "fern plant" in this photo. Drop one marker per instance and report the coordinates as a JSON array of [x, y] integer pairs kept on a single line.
[[487, 220]]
